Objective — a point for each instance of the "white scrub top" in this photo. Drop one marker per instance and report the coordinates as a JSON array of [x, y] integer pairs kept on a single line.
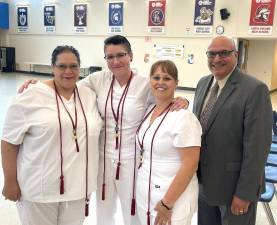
[[179, 129], [137, 101], [32, 123]]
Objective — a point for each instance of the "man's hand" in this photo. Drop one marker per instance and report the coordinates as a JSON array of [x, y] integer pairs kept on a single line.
[[11, 191], [179, 103], [26, 84], [239, 206]]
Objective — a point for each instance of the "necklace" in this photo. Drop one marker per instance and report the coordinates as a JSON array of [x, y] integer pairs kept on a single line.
[[142, 141], [118, 126], [117, 114], [74, 125]]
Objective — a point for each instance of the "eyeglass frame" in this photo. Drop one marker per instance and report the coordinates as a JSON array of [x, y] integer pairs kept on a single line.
[[118, 56], [221, 54], [64, 67]]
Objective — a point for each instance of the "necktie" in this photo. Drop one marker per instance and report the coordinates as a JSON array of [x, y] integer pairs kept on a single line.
[[209, 106]]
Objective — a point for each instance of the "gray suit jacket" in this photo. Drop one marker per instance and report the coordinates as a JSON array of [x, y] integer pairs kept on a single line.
[[237, 140]]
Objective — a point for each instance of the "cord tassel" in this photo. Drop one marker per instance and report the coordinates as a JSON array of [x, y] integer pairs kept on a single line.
[[103, 192], [117, 171], [61, 185], [116, 141], [87, 208], [133, 207], [148, 218], [77, 146]]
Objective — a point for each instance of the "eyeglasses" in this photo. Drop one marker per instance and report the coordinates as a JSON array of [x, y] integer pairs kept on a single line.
[[118, 56], [71, 67], [222, 54]]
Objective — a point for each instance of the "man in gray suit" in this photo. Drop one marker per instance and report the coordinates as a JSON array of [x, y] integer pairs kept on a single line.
[[236, 117]]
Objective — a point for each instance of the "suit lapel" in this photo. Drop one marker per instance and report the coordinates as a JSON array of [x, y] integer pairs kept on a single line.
[[225, 93]]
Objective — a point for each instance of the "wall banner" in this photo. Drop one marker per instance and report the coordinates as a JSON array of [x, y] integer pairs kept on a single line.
[[156, 16], [22, 19], [80, 18], [203, 16], [261, 17], [49, 19], [116, 17]]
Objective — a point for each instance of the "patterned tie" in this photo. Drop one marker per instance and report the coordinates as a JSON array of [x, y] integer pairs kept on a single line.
[[209, 106]]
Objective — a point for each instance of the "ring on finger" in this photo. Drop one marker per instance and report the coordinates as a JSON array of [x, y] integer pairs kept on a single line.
[[241, 211]]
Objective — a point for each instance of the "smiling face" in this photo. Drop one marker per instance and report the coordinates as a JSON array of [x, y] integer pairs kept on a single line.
[[163, 85], [118, 59], [66, 71], [221, 65]]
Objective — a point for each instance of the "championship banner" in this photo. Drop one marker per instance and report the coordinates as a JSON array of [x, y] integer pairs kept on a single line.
[[203, 16], [116, 17], [49, 18], [156, 16], [22, 19], [80, 18], [261, 17]]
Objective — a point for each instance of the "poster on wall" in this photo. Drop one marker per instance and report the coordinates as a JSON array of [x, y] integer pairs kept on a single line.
[[22, 19], [261, 17], [203, 16], [156, 17], [116, 17], [49, 19], [80, 18], [169, 51]]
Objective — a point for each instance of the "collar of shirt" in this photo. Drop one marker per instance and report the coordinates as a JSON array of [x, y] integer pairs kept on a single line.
[[222, 82]]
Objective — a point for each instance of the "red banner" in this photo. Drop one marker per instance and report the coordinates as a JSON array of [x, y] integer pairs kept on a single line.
[[156, 13], [262, 13]]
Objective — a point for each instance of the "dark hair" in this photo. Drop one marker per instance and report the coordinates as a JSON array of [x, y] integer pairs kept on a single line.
[[167, 66], [64, 48], [118, 40]]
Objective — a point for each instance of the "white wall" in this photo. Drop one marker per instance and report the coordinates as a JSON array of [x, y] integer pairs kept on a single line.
[[274, 70], [37, 46], [259, 64]]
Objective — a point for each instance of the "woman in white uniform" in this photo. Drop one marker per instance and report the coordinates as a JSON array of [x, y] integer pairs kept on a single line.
[[122, 98], [50, 146], [167, 186]]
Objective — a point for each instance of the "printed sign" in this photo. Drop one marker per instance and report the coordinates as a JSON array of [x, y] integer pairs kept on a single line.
[[116, 17], [80, 18], [156, 16], [169, 51], [203, 16], [49, 19], [22, 19], [261, 17]]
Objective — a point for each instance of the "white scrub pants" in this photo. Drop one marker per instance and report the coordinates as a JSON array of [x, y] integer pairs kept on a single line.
[[143, 218], [122, 188], [57, 213]]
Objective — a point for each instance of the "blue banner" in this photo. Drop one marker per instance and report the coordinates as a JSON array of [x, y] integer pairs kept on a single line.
[[204, 10], [49, 15], [22, 16], [116, 14]]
